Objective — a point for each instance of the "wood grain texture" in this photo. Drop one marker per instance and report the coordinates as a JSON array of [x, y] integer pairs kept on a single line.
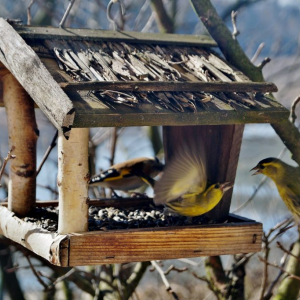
[[163, 243], [221, 145], [40, 241], [171, 86], [34, 32], [26, 66]]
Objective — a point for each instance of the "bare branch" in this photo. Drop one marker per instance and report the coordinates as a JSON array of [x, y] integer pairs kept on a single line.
[[6, 159], [202, 278], [256, 54], [280, 268], [49, 149], [164, 279], [173, 268], [235, 31], [269, 293], [63, 20], [293, 115], [38, 277], [265, 61], [108, 12], [28, 12], [280, 246]]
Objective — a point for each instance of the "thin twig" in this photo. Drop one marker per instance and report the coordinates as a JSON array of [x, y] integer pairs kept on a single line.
[[48, 187], [280, 268], [173, 268], [235, 31], [63, 20], [269, 293], [36, 274], [108, 12], [65, 276], [29, 13], [113, 145], [293, 115], [49, 149], [280, 246], [164, 279], [6, 159], [265, 61], [202, 278], [256, 54]]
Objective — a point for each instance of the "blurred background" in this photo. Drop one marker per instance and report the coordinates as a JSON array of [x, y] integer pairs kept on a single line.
[[275, 23]]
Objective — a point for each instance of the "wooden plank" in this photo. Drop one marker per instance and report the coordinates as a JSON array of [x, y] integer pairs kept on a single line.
[[26, 66], [35, 32], [151, 117], [40, 241], [171, 86], [120, 246]]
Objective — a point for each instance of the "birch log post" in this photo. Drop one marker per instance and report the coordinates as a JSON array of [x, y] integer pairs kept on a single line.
[[23, 134], [72, 181]]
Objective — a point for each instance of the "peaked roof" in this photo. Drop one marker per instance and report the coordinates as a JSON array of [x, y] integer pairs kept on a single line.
[[90, 78]]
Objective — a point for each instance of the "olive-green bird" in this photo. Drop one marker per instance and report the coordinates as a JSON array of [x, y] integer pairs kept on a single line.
[[129, 175], [287, 180], [183, 187]]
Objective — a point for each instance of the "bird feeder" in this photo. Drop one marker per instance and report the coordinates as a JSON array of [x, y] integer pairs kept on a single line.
[[84, 78]]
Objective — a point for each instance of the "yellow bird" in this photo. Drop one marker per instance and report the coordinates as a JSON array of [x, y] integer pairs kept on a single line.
[[129, 175], [287, 180], [183, 187]]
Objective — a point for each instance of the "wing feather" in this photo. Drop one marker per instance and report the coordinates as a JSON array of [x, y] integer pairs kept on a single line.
[[185, 174]]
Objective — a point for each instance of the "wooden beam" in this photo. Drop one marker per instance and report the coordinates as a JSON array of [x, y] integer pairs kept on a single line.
[[152, 117], [119, 246], [33, 237], [34, 32], [170, 86], [27, 68], [72, 181], [23, 134]]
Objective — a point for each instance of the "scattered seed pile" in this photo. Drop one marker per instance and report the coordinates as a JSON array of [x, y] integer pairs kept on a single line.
[[116, 218]]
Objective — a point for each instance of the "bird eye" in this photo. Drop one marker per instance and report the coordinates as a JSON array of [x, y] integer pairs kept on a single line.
[[217, 186], [262, 166]]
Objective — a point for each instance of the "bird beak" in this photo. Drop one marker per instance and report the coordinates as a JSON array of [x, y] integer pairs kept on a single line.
[[226, 186], [257, 169]]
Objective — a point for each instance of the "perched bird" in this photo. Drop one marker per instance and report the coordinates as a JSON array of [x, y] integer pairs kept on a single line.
[[129, 175], [287, 180], [183, 187]]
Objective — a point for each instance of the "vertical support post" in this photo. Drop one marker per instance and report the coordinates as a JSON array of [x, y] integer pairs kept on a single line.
[[72, 181], [23, 134], [222, 144]]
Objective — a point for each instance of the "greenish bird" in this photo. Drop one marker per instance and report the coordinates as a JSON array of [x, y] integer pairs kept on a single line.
[[183, 187], [287, 180]]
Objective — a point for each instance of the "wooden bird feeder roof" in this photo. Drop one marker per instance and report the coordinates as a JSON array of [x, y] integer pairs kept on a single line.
[[91, 78]]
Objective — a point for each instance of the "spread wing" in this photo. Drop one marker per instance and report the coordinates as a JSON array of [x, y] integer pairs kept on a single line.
[[185, 174]]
